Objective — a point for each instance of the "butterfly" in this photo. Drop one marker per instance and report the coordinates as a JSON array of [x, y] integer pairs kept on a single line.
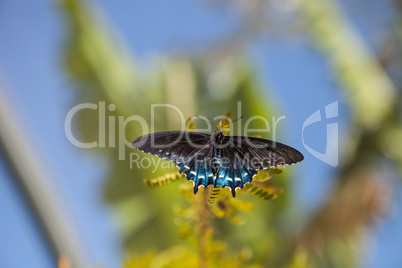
[[217, 160]]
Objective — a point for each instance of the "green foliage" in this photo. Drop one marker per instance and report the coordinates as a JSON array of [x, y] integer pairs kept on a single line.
[[226, 121], [332, 239], [214, 195], [300, 260], [200, 248], [263, 190], [357, 69], [190, 125], [163, 180], [182, 257], [103, 70], [195, 90]]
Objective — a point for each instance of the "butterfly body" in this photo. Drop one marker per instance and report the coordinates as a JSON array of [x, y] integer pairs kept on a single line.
[[217, 160], [216, 138]]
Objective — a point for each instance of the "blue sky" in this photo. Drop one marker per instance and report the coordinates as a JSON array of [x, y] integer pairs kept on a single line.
[[30, 70]]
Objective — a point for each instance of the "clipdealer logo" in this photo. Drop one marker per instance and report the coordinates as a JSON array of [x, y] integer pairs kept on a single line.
[[330, 156]]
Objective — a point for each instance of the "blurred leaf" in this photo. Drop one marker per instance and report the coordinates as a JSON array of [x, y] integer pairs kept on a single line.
[[300, 260], [141, 261], [214, 195], [354, 64], [357, 203], [190, 126], [334, 233], [262, 175], [263, 190], [164, 180], [226, 121], [128, 224], [241, 205]]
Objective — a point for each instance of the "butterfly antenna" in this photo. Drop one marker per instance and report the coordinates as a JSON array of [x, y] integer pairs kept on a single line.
[[230, 122], [201, 118]]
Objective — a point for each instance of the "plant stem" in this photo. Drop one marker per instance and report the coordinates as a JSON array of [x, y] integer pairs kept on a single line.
[[203, 225]]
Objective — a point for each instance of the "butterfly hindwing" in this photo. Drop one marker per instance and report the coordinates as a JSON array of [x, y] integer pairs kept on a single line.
[[198, 170], [234, 177], [242, 157]]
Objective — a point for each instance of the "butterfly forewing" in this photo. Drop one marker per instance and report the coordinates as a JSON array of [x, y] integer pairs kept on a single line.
[[188, 150], [257, 154], [173, 145]]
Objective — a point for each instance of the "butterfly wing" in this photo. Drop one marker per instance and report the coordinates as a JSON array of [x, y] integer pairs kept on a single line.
[[188, 150], [258, 153], [242, 157], [234, 177], [172, 145]]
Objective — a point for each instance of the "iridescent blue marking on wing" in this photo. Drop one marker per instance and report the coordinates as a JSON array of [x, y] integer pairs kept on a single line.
[[234, 177], [220, 179], [246, 175], [198, 172]]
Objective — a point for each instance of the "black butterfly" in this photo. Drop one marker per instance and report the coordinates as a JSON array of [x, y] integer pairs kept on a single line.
[[217, 160]]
